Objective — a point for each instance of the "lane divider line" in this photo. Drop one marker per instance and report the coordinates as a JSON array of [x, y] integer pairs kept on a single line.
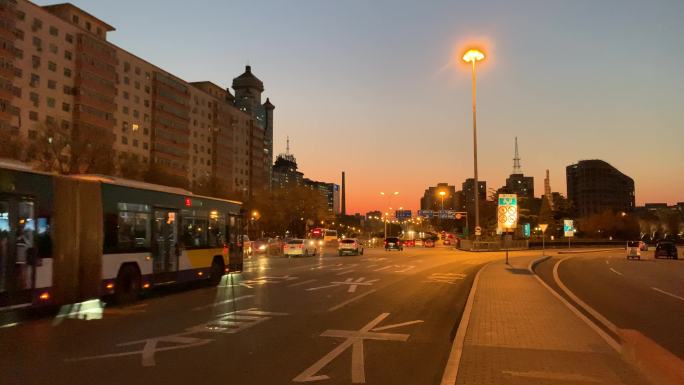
[[347, 302], [668, 293], [451, 369], [613, 343], [615, 271]]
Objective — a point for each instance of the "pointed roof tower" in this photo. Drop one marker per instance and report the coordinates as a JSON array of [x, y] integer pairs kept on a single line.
[[517, 169]]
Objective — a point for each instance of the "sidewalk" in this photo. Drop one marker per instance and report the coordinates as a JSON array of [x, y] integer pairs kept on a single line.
[[519, 333]]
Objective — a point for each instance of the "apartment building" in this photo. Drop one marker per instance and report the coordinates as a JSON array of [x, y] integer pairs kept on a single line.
[[57, 70]]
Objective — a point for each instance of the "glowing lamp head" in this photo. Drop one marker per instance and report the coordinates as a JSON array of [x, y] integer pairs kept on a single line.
[[442, 193], [473, 55]]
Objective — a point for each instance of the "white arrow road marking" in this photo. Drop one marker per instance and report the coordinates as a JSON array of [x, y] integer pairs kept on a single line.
[[250, 283], [226, 323], [384, 268], [449, 278], [354, 338], [405, 269], [353, 284]]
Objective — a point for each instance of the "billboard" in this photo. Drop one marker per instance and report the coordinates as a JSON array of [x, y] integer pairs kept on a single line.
[[402, 214], [568, 228], [507, 213]]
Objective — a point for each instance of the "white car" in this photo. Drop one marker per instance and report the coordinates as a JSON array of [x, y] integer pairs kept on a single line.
[[350, 246], [303, 247]]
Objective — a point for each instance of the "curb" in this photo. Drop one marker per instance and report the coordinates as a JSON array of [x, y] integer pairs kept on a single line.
[[454, 361], [590, 251]]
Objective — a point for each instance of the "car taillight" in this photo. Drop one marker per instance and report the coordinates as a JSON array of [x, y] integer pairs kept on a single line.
[[385, 243], [300, 246]]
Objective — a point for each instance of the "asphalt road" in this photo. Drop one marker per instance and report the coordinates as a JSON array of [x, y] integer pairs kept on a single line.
[[645, 295], [380, 318]]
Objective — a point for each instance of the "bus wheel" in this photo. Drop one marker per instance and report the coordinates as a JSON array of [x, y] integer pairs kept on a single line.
[[127, 285], [216, 273]]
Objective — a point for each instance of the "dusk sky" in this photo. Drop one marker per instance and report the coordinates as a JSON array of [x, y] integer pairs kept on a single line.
[[374, 88]]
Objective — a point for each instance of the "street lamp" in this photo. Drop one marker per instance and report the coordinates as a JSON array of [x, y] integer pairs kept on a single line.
[[389, 204], [442, 194], [473, 56]]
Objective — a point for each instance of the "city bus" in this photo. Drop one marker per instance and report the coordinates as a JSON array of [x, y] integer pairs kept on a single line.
[[65, 239]]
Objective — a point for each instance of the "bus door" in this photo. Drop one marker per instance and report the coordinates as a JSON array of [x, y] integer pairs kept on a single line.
[[165, 246], [235, 245], [17, 250]]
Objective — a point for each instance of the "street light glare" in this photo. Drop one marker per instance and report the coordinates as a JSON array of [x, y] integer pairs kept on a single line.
[[473, 55]]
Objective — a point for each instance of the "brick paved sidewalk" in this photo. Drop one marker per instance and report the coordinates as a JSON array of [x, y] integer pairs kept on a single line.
[[519, 333]]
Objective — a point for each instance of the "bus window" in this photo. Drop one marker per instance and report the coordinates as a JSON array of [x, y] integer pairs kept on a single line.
[[194, 226], [133, 230], [216, 230]]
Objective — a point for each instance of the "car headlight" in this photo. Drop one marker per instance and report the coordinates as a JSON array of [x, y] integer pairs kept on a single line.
[[262, 247], [320, 243]]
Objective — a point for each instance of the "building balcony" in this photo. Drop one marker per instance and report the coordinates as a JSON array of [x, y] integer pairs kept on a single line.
[[95, 86]]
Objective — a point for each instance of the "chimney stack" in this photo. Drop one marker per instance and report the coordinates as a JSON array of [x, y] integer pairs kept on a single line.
[[344, 197]]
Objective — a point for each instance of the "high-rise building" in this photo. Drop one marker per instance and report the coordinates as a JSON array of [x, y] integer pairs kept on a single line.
[[330, 191], [58, 71], [284, 172], [468, 188], [432, 200], [595, 186]]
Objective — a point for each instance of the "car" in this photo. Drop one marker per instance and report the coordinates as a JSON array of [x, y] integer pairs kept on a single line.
[[350, 246], [329, 236], [408, 242], [419, 243], [446, 241], [643, 246], [666, 249], [393, 243], [429, 243], [247, 247], [299, 246]]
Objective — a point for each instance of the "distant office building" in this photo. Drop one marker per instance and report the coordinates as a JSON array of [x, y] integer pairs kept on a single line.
[[373, 215], [595, 186], [284, 172], [655, 206], [432, 200], [468, 188], [330, 191]]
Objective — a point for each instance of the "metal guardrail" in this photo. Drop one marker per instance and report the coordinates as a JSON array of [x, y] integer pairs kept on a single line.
[[498, 245]]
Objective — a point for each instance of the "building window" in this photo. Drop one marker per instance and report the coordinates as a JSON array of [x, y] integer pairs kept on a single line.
[[124, 140], [33, 115], [33, 97], [135, 142], [37, 43], [74, 18], [146, 131], [51, 102], [126, 80], [125, 95], [125, 110], [69, 38], [37, 24], [137, 70], [136, 113], [35, 61], [67, 55], [67, 90], [19, 34], [67, 72], [146, 103], [145, 146], [135, 127], [54, 31], [66, 107], [136, 85], [52, 66], [53, 48], [124, 126], [88, 26], [21, 15], [52, 84]]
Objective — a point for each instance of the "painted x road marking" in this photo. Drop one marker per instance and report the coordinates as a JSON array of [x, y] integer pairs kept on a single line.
[[354, 338]]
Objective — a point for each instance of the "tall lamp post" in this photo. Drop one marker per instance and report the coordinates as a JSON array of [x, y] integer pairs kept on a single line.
[[389, 204], [473, 56]]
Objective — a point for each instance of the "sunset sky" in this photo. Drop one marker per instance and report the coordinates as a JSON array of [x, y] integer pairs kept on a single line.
[[374, 88]]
